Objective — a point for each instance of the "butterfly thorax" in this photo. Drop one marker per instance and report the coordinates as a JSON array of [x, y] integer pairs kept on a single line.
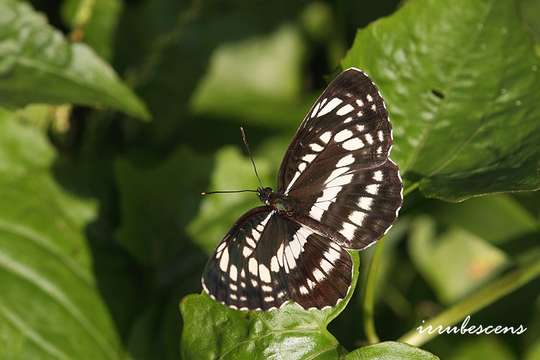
[[280, 202]]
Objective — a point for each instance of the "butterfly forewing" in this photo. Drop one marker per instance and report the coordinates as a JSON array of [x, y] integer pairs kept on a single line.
[[349, 117], [267, 259], [337, 167]]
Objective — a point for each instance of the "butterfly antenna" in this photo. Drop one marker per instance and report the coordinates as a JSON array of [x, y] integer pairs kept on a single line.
[[244, 138], [226, 192]]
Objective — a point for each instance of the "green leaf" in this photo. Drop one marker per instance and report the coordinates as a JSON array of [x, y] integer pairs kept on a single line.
[[454, 263], [256, 89], [100, 27], [50, 307], [37, 64], [462, 84], [390, 350], [158, 201], [212, 330]]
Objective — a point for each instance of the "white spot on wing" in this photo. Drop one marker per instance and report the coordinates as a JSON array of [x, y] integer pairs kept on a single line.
[[264, 273], [319, 276], [380, 135], [293, 180], [325, 137], [316, 147], [233, 273], [357, 217], [359, 102], [309, 157], [346, 160], [369, 139], [221, 247], [250, 241], [332, 104], [224, 261], [332, 254], [365, 203], [329, 194], [343, 135], [347, 230], [344, 110], [296, 248], [326, 266], [341, 180], [378, 175], [353, 144], [372, 189], [290, 258], [315, 109], [316, 213], [337, 172], [274, 266], [252, 266], [369, 98]]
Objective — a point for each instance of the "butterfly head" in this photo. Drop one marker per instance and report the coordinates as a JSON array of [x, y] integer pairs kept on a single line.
[[265, 194]]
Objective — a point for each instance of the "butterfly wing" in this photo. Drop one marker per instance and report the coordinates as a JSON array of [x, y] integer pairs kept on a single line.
[[267, 259], [337, 167]]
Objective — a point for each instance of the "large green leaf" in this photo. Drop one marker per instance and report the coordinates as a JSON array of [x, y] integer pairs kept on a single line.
[[50, 307], [37, 64], [462, 84], [212, 330], [390, 351]]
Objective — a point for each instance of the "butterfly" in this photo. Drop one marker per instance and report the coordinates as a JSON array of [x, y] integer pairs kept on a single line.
[[337, 190]]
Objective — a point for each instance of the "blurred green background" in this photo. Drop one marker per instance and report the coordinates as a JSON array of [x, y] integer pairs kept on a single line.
[[103, 230]]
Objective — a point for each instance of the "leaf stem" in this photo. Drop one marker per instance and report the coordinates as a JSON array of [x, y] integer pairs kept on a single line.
[[482, 298], [411, 188], [369, 295], [368, 303]]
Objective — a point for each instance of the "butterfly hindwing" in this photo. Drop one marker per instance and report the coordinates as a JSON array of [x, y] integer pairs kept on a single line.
[[267, 259]]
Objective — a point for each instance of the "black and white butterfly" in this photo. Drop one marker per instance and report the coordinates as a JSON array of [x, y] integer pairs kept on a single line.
[[337, 190]]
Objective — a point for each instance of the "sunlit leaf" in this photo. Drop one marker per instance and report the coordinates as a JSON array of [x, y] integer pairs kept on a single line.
[[390, 351], [50, 306], [37, 64], [462, 84]]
